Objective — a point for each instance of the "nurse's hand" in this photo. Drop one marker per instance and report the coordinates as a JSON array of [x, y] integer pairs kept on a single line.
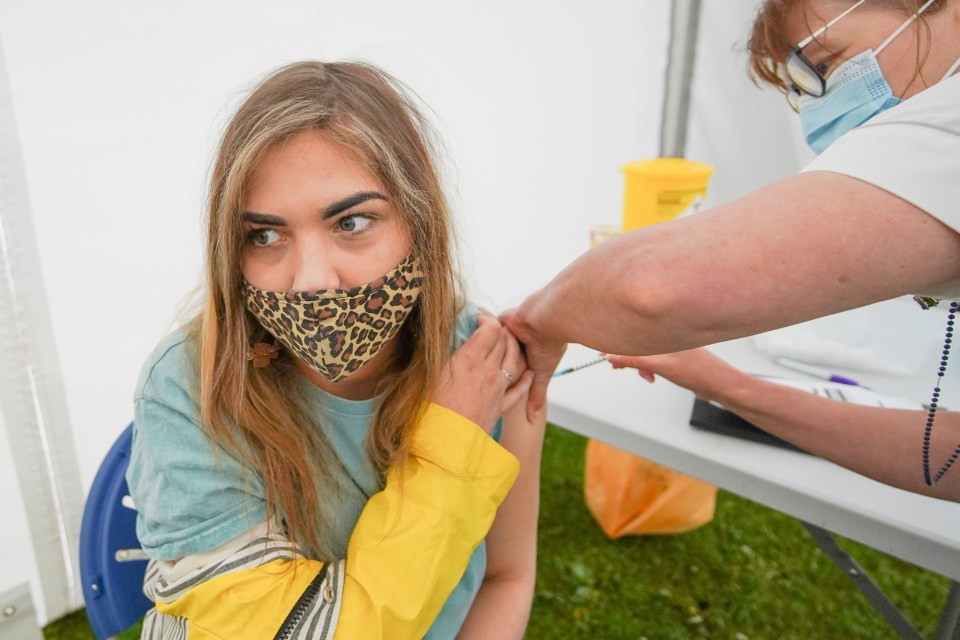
[[542, 358], [698, 370], [486, 376]]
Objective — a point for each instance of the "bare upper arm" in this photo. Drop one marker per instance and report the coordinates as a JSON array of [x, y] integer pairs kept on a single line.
[[807, 246], [512, 541]]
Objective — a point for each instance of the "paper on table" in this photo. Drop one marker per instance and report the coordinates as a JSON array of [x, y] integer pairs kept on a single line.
[[846, 393], [893, 337]]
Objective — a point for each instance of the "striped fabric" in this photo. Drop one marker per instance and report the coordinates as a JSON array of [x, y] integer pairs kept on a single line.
[[320, 620], [319, 608]]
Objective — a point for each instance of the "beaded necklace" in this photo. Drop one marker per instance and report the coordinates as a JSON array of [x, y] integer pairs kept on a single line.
[[935, 398]]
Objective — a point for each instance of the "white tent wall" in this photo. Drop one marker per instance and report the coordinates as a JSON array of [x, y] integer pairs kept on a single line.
[[538, 103], [748, 134]]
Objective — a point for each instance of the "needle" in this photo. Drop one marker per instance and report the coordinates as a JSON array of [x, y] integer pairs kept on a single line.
[[563, 372]]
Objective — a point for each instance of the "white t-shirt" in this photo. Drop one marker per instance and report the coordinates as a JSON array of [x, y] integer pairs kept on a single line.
[[912, 151]]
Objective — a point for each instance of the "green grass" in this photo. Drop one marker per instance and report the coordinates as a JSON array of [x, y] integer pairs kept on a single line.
[[751, 573], [76, 627]]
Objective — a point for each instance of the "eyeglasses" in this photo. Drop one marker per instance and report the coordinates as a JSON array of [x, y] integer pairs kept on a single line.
[[793, 97], [806, 78], [803, 74]]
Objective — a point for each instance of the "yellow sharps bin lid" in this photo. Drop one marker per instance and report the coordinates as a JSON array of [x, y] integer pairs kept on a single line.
[[669, 168]]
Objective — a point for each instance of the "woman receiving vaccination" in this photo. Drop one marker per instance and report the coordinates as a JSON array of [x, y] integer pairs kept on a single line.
[[309, 459]]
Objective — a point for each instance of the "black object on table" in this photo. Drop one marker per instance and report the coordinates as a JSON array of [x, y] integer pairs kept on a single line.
[[710, 417]]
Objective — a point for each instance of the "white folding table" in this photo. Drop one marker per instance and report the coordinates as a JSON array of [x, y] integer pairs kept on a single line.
[[652, 420]]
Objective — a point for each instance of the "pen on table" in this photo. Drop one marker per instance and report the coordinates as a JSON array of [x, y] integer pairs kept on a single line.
[[562, 372], [816, 372]]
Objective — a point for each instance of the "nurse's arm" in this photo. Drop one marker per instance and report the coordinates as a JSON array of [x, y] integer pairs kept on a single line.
[[883, 444], [807, 246]]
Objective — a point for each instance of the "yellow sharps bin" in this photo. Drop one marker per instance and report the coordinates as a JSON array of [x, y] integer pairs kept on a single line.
[[627, 494], [661, 189]]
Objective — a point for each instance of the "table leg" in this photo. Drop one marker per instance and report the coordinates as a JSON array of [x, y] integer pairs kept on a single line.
[[874, 594], [949, 628]]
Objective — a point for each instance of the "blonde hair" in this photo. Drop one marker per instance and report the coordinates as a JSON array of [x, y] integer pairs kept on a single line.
[[370, 113], [769, 45]]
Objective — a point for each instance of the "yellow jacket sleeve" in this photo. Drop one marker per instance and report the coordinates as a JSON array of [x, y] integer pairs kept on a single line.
[[408, 551], [411, 547]]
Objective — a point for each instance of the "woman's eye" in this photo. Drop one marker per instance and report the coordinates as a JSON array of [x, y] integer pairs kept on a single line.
[[262, 237], [823, 67], [354, 223]]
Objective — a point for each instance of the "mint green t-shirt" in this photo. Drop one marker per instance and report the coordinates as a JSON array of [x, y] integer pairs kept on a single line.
[[193, 495]]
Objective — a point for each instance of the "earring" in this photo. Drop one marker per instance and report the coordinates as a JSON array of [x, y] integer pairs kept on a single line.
[[262, 353]]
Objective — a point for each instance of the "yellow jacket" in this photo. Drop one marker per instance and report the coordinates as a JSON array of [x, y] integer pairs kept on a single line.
[[409, 549]]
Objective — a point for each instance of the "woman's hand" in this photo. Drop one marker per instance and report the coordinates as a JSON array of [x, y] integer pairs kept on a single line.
[[486, 376]]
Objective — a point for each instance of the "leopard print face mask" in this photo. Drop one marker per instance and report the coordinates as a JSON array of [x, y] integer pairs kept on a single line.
[[337, 331]]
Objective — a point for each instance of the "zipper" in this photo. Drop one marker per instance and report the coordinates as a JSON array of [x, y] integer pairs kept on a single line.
[[302, 607]]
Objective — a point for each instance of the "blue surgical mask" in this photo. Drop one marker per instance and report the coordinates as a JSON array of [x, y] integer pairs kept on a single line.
[[856, 91]]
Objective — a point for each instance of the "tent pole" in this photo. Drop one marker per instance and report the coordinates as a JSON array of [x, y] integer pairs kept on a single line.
[[32, 395], [684, 26]]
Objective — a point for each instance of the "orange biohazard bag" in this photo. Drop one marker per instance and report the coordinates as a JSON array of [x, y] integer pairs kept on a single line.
[[629, 495]]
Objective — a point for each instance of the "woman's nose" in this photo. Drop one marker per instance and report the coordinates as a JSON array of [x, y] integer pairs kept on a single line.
[[314, 269]]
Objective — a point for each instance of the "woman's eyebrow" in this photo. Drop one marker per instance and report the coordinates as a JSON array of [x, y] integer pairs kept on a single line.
[[264, 218], [351, 201]]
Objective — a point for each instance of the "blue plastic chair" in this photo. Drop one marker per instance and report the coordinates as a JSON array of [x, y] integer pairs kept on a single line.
[[112, 563]]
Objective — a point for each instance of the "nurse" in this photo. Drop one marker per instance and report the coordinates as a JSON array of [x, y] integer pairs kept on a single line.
[[875, 216]]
